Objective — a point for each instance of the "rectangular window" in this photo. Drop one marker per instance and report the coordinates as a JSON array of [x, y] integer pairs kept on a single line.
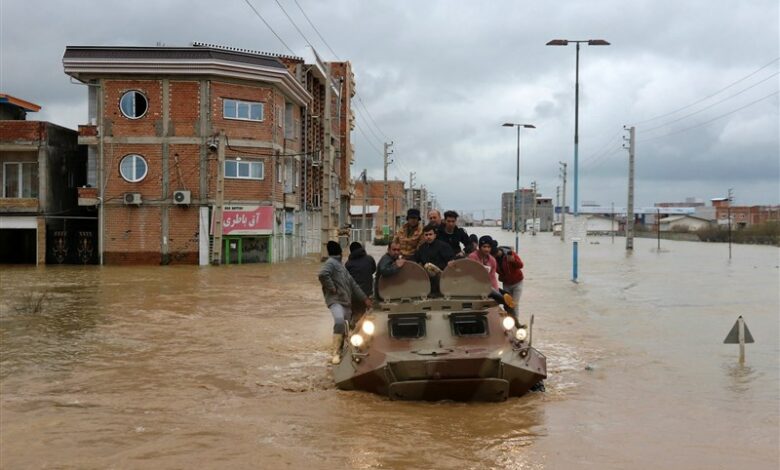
[[468, 324], [20, 180], [242, 110], [247, 170], [289, 122], [407, 326]]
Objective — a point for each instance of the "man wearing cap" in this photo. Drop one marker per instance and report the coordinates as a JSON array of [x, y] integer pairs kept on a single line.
[[339, 290], [410, 235], [482, 256]]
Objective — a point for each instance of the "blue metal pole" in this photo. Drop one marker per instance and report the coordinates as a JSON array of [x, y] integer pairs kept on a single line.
[[517, 190], [576, 156]]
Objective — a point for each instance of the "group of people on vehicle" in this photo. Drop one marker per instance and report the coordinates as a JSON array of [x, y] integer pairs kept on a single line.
[[349, 288]]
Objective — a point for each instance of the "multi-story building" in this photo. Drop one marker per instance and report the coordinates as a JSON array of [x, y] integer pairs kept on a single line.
[[522, 204], [161, 123], [42, 166], [744, 216], [392, 214]]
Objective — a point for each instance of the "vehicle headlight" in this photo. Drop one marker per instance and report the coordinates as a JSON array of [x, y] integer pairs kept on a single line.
[[368, 327], [356, 340], [508, 323], [521, 334]]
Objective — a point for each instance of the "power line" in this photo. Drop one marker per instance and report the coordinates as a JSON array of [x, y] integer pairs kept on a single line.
[[713, 119], [293, 23], [711, 95], [357, 95], [316, 30], [713, 104], [269, 26]]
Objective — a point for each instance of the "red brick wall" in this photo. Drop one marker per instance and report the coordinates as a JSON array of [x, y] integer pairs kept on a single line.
[[22, 131], [144, 126], [240, 129], [150, 187], [183, 227], [132, 234], [184, 174], [184, 109]]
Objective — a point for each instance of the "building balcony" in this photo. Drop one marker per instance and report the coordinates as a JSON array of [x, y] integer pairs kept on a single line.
[[88, 196], [88, 134]]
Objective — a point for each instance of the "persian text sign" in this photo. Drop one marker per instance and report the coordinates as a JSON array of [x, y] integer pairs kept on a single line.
[[247, 220]]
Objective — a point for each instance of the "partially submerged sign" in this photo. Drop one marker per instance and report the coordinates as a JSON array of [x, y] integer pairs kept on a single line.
[[733, 336]]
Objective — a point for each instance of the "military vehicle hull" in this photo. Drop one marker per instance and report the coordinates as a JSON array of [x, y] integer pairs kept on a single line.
[[454, 347]]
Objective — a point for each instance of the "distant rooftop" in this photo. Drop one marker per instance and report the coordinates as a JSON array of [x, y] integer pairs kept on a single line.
[[6, 99]]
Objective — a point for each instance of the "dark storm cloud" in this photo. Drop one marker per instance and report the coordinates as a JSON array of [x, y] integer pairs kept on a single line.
[[440, 77]]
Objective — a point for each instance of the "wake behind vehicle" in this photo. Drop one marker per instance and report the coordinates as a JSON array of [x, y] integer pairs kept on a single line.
[[460, 346]]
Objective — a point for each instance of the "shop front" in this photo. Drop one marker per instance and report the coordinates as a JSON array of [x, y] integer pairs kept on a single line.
[[247, 234]]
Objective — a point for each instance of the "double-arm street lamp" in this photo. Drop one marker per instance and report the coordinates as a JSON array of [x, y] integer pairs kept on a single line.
[[565, 42], [517, 181]]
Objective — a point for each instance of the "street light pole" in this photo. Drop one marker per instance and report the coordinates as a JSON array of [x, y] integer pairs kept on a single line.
[[565, 42], [517, 183]]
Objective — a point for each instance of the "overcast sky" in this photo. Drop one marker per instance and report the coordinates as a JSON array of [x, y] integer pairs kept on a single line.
[[438, 78]]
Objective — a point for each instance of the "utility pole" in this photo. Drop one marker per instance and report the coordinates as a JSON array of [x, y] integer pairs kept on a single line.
[[365, 231], [386, 227], [411, 189], [563, 203], [612, 223], [731, 198], [557, 200], [658, 228], [219, 201], [630, 208], [533, 209]]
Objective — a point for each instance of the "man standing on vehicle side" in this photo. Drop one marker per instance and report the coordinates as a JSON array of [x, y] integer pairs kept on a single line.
[[339, 290]]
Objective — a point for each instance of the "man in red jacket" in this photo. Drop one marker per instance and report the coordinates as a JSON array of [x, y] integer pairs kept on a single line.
[[510, 272]]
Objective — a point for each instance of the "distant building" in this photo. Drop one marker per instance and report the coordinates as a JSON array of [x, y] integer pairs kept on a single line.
[[395, 211], [684, 223], [744, 216], [42, 167]]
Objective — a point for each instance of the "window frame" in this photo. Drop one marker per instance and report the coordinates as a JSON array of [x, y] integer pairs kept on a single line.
[[480, 317], [19, 176], [249, 163], [136, 156], [394, 319], [236, 104], [126, 93]]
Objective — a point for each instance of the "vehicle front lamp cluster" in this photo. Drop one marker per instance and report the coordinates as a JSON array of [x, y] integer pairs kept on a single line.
[[509, 324], [367, 329]]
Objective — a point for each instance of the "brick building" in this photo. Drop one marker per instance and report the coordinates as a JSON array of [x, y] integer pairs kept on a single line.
[[395, 211], [744, 216], [42, 166], [161, 118]]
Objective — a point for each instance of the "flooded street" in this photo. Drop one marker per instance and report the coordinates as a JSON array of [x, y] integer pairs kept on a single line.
[[204, 367]]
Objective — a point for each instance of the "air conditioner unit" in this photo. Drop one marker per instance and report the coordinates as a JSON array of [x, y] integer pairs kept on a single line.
[[182, 197], [132, 198]]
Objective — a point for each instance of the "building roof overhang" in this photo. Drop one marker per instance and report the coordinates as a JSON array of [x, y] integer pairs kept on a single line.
[[20, 103], [85, 63]]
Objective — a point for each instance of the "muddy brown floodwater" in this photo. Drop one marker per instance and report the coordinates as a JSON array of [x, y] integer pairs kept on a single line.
[[225, 367]]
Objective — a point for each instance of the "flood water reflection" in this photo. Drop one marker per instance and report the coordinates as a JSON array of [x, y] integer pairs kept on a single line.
[[226, 367]]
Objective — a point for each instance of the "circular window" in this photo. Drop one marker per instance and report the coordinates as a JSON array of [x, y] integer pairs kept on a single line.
[[133, 104], [133, 168]]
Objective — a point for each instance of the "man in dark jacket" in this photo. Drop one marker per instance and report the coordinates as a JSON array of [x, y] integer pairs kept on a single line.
[[389, 264], [454, 236], [339, 290], [433, 255], [361, 267]]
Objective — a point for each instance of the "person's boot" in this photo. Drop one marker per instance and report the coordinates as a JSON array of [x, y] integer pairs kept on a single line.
[[336, 348]]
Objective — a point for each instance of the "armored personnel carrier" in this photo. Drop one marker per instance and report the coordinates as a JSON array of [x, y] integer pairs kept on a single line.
[[459, 346]]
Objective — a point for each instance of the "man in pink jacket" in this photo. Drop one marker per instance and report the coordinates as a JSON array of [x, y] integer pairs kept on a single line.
[[482, 255]]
